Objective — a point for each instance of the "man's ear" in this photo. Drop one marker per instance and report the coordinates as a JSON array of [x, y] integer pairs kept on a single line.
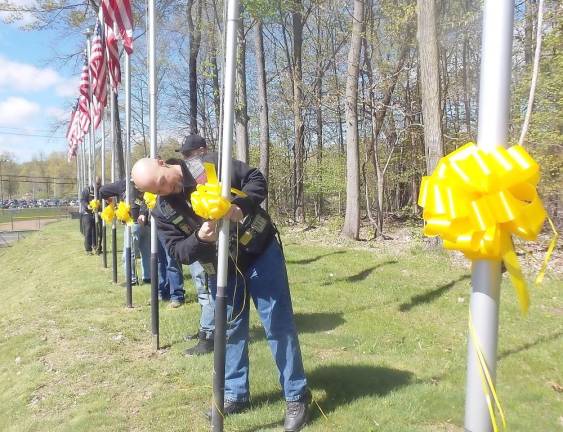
[[160, 162]]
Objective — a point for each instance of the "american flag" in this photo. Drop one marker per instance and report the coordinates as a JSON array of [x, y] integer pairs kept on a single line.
[[83, 101], [112, 57], [74, 133], [98, 72], [117, 15]]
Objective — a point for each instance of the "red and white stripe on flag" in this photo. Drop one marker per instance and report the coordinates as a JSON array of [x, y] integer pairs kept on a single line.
[[98, 73], [117, 15], [83, 105], [113, 58]]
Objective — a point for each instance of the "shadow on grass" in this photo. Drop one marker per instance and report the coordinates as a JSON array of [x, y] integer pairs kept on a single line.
[[528, 345], [431, 295], [361, 275], [343, 384], [310, 260], [306, 323]]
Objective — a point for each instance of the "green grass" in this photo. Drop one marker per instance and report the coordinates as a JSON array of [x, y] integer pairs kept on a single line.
[[383, 339], [32, 213]]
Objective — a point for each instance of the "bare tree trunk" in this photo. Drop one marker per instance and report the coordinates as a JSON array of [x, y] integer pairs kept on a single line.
[[466, 95], [262, 106], [241, 112], [194, 36], [337, 92], [351, 226], [299, 125], [430, 82], [118, 141]]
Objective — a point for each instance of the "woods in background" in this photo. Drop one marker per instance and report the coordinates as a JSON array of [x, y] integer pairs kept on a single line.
[[344, 105]]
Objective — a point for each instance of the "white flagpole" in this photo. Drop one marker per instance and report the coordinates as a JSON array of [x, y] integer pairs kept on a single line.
[[89, 34], [128, 260], [113, 224], [233, 12], [494, 108], [152, 114]]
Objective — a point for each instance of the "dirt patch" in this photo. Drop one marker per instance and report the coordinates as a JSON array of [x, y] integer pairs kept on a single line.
[[26, 225]]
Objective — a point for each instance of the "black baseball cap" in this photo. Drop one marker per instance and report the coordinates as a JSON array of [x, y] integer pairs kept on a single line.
[[192, 142]]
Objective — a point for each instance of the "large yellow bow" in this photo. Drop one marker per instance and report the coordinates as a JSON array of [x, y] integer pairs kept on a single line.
[[207, 201], [476, 199], [94, 205], [123, 213], [150, 199], [108, 213]]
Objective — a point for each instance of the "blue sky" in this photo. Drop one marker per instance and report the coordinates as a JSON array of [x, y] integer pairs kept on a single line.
[[36, 92]]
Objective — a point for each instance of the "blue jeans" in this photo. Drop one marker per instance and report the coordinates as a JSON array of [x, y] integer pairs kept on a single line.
[[204, 298], [141, 243], [170, 277], [266, 283]]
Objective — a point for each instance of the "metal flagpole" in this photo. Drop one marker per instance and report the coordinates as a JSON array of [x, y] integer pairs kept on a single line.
[[113, 160], [89, 33], [103, 150], [152, 114], [128, 259], [233, 12], [494, 105], [78, 180]]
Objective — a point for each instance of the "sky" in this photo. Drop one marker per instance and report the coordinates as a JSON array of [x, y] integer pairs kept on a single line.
[[36, 93]]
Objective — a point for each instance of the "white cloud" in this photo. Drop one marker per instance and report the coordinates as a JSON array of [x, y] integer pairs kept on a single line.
[[25, 77], [17, 111], [58, 114], [67, 88]]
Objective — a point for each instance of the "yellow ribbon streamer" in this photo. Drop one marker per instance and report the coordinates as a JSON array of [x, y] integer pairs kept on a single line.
[[108, 213], [476, 199], [150, 199], [550, 249], [123, 213], [487, 383], [94, 205], [207, 201]]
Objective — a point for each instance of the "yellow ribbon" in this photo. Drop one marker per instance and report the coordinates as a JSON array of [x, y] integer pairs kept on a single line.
[[123, 213], [207, 201], [476, 199], [150, 199], [487, 383], [94, 205], [108, 213]]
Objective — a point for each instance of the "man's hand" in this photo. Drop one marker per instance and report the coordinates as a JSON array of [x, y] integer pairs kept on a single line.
[[208, 232], [235, 213], [142, 220]]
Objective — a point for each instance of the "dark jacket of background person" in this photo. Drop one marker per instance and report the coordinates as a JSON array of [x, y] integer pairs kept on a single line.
[[117, 189], [178, 224], [87, 196]]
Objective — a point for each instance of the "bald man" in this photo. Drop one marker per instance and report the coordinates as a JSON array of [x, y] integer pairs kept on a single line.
[[256, 270]]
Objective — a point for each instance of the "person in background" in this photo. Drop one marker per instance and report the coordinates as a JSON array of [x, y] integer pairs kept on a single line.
[[92, 241]]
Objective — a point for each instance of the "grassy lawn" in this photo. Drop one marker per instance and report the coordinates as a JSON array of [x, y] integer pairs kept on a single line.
[[383, 337]]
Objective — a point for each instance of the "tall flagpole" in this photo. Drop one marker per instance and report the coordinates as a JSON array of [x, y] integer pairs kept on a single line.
[[89, 33], [103, 150], [152, 114], [233, 12], [113, 160], [494, 107], [128, 267], [104, 225]]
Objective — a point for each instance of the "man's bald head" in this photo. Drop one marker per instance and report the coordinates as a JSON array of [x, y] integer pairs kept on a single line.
[[153, 175]]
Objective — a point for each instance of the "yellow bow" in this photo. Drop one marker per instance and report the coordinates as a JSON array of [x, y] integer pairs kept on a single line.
[[207, 201], [94, 205], [123, 213], [476, 199], [150, 199], [108, 213]]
